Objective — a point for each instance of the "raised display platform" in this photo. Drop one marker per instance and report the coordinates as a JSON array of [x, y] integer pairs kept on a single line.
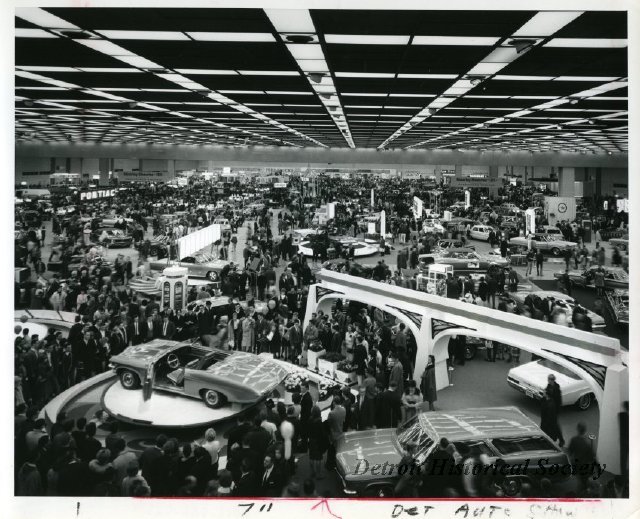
[[163, 409]]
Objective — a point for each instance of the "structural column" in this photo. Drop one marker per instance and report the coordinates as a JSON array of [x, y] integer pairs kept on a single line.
[[566, 182], [103, 168]]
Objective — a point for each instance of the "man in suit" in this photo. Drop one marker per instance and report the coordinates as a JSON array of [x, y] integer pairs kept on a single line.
[[389, 407], [75, 333], [167, 329], [554, 388], [305, 412], [335, 422], [153, 327], [116, 341], [247, 483], [295, 338], [137, 330], [397, 375], [581, 452], [272, 479]]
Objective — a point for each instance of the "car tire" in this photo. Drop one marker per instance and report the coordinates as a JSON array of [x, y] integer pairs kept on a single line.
[[212, 398], [153, 251], [584, 402], [212, 276], [555, 251], [129, 379], [469, 352]]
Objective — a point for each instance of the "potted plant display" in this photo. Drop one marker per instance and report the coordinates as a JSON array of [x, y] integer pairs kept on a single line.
[[346, 372], [292, 385], [314, 352], [328, 363]]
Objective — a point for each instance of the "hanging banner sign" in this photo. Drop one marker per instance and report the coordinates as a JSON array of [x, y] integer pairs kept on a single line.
[[96, 195], [417, 207]]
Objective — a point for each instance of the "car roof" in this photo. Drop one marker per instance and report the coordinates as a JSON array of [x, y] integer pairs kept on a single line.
[[486, 422]]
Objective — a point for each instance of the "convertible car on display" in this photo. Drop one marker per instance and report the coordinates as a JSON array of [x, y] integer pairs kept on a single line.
[[621, 243], [112, 238], [498, 432], [562, 300], [200, 265], [614, 277], [531, 379], [215, 376], [543, 242], [465, 261], [617, 301]]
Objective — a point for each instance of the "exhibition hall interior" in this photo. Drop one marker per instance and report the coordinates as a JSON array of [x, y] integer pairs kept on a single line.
[[345, 253]]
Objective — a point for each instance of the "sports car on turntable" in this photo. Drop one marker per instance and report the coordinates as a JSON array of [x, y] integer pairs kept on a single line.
[[200, 265], [214, 376], [360, 248], [465, 261], [614, 277], [112, 238]]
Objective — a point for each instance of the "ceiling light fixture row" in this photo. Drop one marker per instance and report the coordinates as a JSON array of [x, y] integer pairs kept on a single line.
[[109, 48], [298, 32], [532, 33]]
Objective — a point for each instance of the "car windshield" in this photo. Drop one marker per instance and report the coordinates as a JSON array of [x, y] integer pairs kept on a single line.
[[412, 431], [524, 444], [546, 363], [203, 258]]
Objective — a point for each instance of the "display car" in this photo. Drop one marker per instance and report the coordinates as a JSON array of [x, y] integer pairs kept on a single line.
[[432, 226], [360, 248], [481, 232], [544, 243], [158, 242], [199, 265], [531, 379], [614, 277], [621, 243], [112, 238], [355, 269], [465, 261], [453, 244], [617, 302], [498, 432], [215, 376], [560, 299]]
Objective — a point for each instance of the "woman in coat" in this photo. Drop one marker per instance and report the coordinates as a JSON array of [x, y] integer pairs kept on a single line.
[[428, 383], [248, 340]]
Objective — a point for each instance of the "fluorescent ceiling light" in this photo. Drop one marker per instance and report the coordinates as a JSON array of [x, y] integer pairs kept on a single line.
[[313, 65], [487, 68], [258, 92], [522, 78], [138, 61], [501, 55], [142, 35], [410, 95], [206, 71], [454, 40], [33, 33], [365, 74], [585, 78], [47, 69], [269, 72], [110, 69], [40, 17], [291, 20], [305, 51], [106, 47], [363, 94], [366, 39], [288, 92], [427, 76], [546, 23], [594, 43], [233, 36]]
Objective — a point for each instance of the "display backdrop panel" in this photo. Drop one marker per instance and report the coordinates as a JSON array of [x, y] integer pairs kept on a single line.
[[195, 241]]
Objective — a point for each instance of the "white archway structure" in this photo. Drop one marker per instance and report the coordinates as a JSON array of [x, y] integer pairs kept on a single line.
[[597, 359]]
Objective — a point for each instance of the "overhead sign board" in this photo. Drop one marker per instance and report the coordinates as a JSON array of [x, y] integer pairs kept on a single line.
[[475, 182], [281, 185], [417, 207], [96, 195]]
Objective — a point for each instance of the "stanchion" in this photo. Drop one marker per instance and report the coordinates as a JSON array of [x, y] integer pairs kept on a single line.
[[450, 375]]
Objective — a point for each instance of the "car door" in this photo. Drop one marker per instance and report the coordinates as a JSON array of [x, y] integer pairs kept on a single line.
[[149, 381]]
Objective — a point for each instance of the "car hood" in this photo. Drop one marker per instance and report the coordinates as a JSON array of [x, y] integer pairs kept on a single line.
[[376, 446], [535, 375], [216, 264], [261, 374]]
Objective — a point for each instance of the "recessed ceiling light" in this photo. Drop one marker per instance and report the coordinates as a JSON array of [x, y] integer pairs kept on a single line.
[[142, 35], [369, 39], [454, 40], [233, 36]]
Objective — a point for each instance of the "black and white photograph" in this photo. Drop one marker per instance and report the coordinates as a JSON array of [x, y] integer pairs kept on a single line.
[[341, 258]]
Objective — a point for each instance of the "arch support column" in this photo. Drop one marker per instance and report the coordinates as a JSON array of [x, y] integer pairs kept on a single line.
[[616, 391]]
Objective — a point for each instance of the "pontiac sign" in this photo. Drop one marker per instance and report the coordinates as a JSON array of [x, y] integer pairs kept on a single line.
[[96, 195]]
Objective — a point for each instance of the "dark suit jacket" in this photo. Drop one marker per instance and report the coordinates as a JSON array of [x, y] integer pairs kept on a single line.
[[142, 332], [171, 330], [271, 486], [247, 485], [388, 409]]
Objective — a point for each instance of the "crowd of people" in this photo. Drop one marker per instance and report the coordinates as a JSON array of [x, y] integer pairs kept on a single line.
[[252, 309]]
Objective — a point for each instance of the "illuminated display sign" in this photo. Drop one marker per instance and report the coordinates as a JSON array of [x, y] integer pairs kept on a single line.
[[96, 195]]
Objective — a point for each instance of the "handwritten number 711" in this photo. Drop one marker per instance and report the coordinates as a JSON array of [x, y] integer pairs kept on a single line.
[[263, 508]]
